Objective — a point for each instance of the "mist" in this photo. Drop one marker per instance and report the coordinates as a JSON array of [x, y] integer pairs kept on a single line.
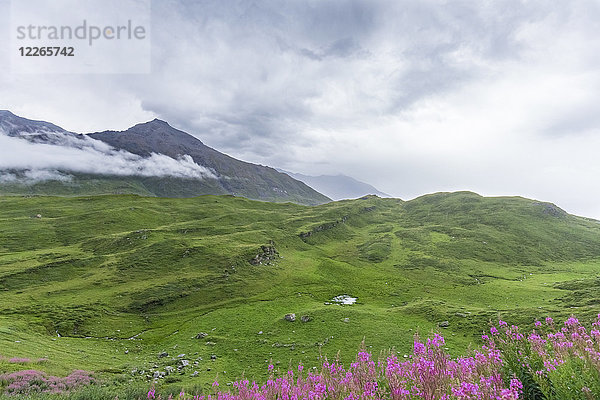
[[48, 155]]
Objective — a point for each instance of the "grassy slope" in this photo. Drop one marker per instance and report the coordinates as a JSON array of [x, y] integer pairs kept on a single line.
[[100, 270]]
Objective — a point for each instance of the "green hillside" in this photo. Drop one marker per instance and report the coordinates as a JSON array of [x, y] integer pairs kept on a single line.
[[107, 283], [81, 184]]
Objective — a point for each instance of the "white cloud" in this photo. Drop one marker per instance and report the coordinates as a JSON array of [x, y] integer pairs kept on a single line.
[[33, 176], [67, 152]]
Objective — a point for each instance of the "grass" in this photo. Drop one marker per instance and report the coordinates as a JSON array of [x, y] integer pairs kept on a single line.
[[106, 283]]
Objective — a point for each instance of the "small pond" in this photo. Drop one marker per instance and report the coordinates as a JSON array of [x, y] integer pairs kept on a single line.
[[344, 299]]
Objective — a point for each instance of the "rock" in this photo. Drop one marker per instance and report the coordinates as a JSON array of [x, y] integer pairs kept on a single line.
[[163, 354], [290, 317], [462, 315], [305, 318], [181, 356], [444, 324], [268, 254], [201, 335], [195, 374], [551, 209], [38, 215], [184, 363], [210, 343], [169, 369], [213, 357]]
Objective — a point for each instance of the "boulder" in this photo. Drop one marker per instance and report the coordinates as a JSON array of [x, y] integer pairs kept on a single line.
[[305, 318], [266, 255], [290, 317], [163, 354], [201, 335], [444, 324]]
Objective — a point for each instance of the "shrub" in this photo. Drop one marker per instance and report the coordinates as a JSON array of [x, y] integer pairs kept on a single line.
[[27, 382]]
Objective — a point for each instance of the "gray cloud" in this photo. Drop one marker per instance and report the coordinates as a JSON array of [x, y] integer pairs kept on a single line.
[[411, 96]]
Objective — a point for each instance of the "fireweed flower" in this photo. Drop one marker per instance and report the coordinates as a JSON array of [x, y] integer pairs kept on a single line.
[[572, 321], [419, 348], [430, 373]]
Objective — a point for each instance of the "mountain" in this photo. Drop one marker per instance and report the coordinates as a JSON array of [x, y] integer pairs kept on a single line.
[[337, 187], [151, 158], [123, 279], [13, 125]]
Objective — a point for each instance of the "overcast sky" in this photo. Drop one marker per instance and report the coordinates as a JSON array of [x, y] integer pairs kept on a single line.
[[413, 97]]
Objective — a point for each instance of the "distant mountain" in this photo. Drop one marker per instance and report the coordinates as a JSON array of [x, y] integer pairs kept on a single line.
[[337, 187], [151, 158]]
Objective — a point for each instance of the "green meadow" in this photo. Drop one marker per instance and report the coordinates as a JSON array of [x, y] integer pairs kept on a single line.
[[108, 283]]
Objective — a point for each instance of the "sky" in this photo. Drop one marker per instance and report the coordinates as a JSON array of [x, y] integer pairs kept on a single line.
[[413, 97]]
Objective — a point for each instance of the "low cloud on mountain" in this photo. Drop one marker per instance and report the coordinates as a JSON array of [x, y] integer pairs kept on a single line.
[[60, 153]]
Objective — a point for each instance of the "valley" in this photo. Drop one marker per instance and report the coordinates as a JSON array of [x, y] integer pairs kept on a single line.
[[134, 287]]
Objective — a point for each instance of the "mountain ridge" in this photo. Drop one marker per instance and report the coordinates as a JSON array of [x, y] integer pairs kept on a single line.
[[228, 176], [13, 124]]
